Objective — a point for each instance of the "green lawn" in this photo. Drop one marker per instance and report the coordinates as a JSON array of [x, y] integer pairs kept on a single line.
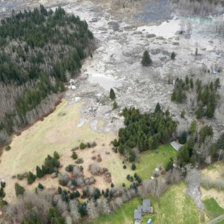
[[174, 206], [212, 207], [149, 160]]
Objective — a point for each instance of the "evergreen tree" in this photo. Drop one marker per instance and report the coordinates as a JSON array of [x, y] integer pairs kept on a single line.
[[146, 60], [112, 94], [19, 189]]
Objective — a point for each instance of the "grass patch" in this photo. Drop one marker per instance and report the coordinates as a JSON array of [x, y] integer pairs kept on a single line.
[[149, 160], [122, 215], [212, 207], [174, 206]]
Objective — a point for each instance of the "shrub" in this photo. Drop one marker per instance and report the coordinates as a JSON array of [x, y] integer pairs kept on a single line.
[[19, 189], [112, 185], [74, 155], [173, 56], [8, 147], [82, 146], [112, 94], [40, 186], [31, 178], [124, 167], [146, 60], [115, 105], [69, 168], [133, 166]]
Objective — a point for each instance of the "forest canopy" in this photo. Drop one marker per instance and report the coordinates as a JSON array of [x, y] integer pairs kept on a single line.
[[39, 51], [144, 131]]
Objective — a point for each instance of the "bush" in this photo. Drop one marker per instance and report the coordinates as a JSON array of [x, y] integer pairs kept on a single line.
[[8, 147], [146, 60], [173, 56], [82, 146], [74, 156], [40, 186], [112, 185], [31, 178], [19, 189], [133, 166], [124, 167], [112, 94], [115, 105], [69, 168]]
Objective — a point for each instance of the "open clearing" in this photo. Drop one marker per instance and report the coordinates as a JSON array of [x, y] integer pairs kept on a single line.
[[149, 160], [57, 132], [61, 132], [214, 171], [174, 204]]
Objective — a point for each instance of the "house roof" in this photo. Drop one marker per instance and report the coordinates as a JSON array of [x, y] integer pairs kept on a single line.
[[146, 205], [137, 215], [176, 145]]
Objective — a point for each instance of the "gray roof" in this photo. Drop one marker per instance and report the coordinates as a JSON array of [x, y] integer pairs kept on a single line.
[[146, 205], [139, 208], [137, 215]]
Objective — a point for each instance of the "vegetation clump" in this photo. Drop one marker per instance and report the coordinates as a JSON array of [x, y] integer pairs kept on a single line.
[[144, 131], [146, 60]]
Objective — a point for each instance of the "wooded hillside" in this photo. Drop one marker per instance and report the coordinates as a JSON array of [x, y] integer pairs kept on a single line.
[[39, 51]]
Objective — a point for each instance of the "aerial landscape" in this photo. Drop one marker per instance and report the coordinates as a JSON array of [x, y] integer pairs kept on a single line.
[[112, 112]]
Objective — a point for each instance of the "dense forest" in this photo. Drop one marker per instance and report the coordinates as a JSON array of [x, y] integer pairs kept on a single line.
[[144, 131], [39, 51]]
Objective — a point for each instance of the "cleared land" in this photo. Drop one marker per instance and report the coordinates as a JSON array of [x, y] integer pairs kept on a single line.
[[57, 132], [60, 132], [172, 205]]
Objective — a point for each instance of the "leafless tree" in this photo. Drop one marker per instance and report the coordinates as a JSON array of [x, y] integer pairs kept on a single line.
[[92, 210]]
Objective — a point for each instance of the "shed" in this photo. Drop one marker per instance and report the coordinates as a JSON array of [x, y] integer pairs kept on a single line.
[[146, 206], [149, 221], [137, 215]]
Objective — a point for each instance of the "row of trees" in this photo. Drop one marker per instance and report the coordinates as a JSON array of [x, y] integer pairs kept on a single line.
[[144, 131]]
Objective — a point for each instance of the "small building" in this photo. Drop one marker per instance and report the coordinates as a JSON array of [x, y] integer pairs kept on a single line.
[[146, 206], [149, 221], [137, 216], [176, 145]]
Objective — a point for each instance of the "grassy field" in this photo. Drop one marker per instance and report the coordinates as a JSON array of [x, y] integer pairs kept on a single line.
[[60, 132], [57, 132], [172, 207], [151, 159], [212, 207]]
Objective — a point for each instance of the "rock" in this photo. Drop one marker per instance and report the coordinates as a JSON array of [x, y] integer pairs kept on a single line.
[[79, 161], [75, 149], [151, 35], [54, 175], [176, 43], [115, 26], [155, 51], [91, 180]]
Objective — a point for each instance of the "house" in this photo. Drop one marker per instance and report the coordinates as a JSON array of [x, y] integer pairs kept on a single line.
[[137, 216], [140, 210], [146, 206]]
